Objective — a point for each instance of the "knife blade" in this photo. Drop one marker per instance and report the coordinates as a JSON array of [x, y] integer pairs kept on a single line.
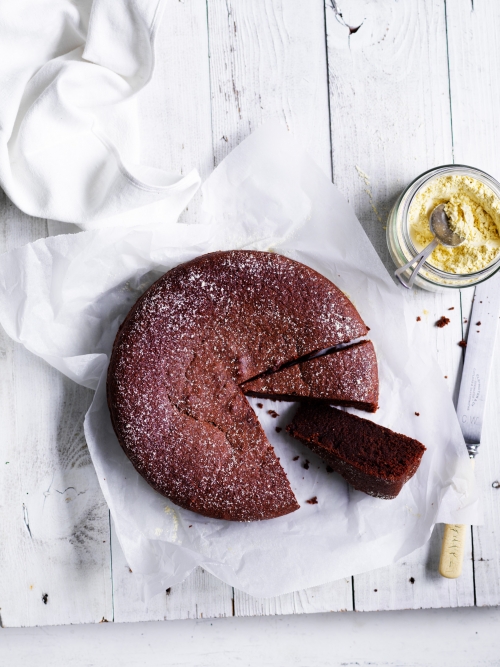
[[483, 326]]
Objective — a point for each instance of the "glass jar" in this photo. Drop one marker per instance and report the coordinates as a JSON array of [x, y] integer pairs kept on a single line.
[[402, 248]]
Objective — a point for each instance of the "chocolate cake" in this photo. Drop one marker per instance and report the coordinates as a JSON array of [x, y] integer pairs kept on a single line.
[[346, 377], [191, 339], [370, 457]]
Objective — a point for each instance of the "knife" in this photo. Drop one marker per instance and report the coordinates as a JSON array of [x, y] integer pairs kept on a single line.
[[483, 326]]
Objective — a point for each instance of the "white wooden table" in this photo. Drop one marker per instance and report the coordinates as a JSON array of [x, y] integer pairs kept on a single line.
[[379, 91]]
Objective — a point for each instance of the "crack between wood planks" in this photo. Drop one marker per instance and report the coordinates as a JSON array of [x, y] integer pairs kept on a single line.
[[210, 85], [449, 80], [473, 565], [328, 92]]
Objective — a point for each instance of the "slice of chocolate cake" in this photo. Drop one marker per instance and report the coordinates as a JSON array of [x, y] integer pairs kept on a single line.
[[347, 377], [370, 457]]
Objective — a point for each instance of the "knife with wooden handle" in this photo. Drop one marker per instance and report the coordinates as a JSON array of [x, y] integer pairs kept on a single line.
[[471, 402]]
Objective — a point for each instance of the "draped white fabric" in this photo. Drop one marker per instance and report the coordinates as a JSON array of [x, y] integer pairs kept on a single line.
[[69, 146]]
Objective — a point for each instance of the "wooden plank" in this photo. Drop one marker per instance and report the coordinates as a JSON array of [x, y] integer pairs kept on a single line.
[[174, 109], [454, 638], [175, 127], [390, 121], [268, 61], [474, 54], [54, 529], [334, 596], [201, 595]]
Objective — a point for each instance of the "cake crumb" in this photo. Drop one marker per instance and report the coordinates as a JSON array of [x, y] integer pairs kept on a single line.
[[417, 414], [260, 405], [190, 525], [313, 500], [305, 465], [375, 590], [278, 429], [419, 319], [442, 322], [478, 324], [295, 458], [445, 377], [329, 469], [412, 580], [273, 413], [452, 308], [463, 344]]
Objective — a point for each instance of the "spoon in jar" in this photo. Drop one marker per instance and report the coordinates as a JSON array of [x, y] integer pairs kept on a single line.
[[443, 235]]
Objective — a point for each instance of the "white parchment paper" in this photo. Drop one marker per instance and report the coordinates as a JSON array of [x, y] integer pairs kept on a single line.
[[64, 297]]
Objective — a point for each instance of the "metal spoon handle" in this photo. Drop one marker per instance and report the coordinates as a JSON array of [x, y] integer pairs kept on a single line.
[[420, 258]]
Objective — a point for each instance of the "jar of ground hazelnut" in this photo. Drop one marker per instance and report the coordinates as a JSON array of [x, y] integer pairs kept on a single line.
[[472, 203]]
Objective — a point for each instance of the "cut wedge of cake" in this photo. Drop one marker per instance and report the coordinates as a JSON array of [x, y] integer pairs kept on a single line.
[[370, 457]]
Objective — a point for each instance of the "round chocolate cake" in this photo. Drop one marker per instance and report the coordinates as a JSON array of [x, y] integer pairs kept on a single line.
[[200, 331]]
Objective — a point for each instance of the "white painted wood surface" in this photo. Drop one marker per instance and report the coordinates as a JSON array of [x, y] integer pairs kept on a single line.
[[54, 525], [268, 60], [201, 595], [378, 92]]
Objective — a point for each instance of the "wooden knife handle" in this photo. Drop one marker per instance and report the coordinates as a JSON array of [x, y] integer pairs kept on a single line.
[[452, 549]]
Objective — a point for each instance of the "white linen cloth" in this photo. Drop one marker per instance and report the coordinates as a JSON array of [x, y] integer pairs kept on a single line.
[[64, 297], [69, 149]]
